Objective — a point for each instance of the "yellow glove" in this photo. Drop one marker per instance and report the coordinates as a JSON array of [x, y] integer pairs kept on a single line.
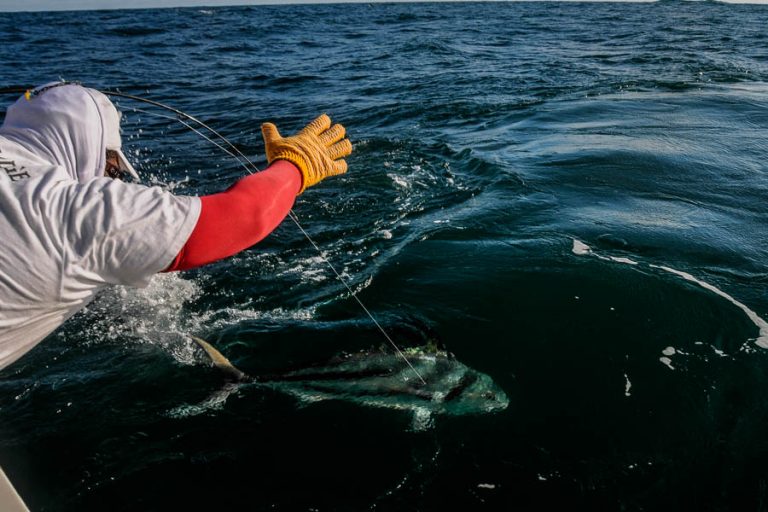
[[317, 150]]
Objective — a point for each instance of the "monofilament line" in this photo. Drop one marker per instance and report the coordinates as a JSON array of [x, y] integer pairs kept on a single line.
[[295, 220], [250, 167]]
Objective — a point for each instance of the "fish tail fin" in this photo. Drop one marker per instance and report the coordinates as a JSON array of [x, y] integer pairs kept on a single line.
[[219, 361]]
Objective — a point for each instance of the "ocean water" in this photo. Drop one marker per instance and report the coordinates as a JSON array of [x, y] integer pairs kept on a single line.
[[491, 140]]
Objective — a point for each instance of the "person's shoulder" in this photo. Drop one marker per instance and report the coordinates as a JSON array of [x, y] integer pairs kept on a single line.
[[125, 201], [133, 195]]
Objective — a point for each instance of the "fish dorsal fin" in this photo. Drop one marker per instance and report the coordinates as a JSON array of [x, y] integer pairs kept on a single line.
[[219, 361]]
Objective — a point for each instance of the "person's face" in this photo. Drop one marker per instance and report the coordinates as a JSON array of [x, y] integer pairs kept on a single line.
[[112, 167]]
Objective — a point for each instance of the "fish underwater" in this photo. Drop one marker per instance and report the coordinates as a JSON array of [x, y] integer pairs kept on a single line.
[[374, 379]]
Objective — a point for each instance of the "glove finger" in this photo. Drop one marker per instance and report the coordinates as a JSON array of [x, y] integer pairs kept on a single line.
[[340, 149], [334, 134], [318, 126], [269, 132], [339, 167]]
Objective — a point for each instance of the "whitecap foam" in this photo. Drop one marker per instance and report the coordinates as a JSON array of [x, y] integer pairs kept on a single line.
[[627, 386], [582, 249], [762, 340], [667, 361], [234, 315]]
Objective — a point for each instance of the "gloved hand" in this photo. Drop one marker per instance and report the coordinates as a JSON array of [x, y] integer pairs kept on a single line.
[[317, 150]]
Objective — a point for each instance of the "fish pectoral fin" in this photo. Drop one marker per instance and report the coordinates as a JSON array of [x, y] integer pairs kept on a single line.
[[218, 360]]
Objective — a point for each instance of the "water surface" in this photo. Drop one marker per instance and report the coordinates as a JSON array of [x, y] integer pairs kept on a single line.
[[487, 138]]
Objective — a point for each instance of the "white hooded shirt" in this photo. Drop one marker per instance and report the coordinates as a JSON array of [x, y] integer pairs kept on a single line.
[[66, 231]]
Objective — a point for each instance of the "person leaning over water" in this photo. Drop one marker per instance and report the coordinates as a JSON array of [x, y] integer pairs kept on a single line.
[[69, 229]]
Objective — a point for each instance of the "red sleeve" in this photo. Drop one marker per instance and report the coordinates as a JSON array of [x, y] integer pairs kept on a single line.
[[241, 216]]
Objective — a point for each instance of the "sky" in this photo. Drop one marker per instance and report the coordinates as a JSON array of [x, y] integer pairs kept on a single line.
[[67, 5]]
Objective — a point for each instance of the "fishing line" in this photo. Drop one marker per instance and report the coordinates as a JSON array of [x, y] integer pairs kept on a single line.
[[250, 167], [183, 115], [194, 130]]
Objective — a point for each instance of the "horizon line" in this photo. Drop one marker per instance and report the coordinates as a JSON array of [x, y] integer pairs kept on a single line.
[[92, 5]]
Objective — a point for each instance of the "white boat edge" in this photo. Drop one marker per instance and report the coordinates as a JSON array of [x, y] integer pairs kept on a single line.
[[10, 501]]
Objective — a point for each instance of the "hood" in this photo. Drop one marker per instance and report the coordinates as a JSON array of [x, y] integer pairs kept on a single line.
[[69, 125]]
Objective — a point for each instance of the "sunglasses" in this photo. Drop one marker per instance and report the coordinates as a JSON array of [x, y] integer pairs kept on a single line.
[[112, 167]]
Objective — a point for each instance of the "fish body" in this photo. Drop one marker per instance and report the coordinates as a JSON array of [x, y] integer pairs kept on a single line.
[[384, 380]]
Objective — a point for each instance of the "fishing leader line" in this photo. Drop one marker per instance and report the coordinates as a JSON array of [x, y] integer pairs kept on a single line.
[[233, 151]]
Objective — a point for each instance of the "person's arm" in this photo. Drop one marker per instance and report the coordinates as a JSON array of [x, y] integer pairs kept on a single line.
[[241, 216], [249, 210]]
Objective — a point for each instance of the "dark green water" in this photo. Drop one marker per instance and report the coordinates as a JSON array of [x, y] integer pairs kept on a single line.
[[487, 138]]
